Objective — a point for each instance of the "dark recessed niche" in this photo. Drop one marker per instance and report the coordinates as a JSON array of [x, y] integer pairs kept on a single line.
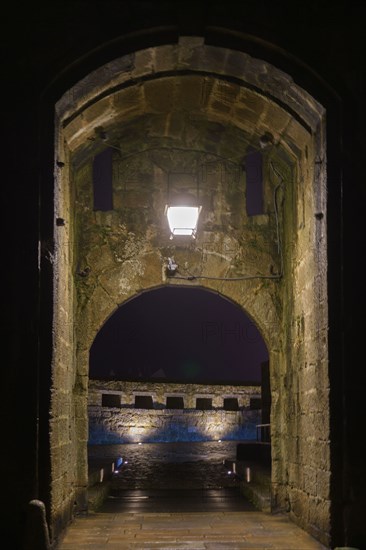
[[144, 402], [255, 403], [254, 182], [111, 400], [231, 404], [102, 181], [204, 403], [174, 402]]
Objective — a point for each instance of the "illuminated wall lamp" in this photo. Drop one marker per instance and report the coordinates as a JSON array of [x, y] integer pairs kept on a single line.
[[182, 209], [183, 220]]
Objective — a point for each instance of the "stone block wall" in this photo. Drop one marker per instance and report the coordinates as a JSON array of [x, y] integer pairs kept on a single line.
[[128, 424], [200, 120]]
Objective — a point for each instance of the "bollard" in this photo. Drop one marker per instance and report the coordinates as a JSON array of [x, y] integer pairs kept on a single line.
[[36, 535]]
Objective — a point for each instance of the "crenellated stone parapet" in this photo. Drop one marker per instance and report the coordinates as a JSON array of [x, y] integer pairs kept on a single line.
[[170, 412]]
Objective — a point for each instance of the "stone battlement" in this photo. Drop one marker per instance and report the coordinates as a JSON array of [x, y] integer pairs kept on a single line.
[[130, 412]]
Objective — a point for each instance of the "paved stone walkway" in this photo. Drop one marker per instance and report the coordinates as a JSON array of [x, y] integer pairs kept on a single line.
[[193, 531], [157, 502]]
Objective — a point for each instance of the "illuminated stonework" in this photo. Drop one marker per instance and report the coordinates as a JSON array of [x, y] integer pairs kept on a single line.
[[199, 109], [125, 423]]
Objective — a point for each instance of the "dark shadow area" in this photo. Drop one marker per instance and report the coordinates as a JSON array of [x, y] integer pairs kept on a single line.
[[178, 500], [179, 335]]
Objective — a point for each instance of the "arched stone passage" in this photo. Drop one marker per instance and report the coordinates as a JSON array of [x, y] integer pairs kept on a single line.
[[197, 110]]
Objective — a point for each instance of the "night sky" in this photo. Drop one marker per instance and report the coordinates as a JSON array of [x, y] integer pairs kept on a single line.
[[179, 334]]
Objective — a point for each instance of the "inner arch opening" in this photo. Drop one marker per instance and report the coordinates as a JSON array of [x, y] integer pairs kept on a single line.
[[177, 334], [179, 400]]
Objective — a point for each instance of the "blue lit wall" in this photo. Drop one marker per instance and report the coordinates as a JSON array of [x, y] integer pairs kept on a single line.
[[113, 426]]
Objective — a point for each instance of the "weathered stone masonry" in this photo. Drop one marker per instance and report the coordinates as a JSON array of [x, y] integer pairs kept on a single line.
[[127, 424], [196, 109]]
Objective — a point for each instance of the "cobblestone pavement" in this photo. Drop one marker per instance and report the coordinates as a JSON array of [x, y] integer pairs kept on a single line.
[[196, 465], [179, 496], [175, 475]]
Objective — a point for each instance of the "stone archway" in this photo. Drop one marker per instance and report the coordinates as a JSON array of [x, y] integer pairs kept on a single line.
[[178, 341], [198, 110]]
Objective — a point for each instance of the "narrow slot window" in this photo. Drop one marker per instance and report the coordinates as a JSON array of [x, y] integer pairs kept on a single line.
[[254, 182], [102, 181]]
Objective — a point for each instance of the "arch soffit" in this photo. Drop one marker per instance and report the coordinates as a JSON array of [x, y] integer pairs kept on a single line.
[[245, 82]]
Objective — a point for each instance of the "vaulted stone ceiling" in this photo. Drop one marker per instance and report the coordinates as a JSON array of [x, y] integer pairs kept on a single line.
[[191, 96]]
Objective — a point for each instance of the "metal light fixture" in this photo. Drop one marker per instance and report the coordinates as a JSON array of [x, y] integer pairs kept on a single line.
[[183, 209], [183, 220]]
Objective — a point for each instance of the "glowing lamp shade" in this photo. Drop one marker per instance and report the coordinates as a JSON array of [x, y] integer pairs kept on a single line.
[[183, 220]]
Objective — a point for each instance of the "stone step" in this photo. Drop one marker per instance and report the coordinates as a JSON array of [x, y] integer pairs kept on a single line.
[[255, 484], [258, 495], [97, 495], [99, 481]]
